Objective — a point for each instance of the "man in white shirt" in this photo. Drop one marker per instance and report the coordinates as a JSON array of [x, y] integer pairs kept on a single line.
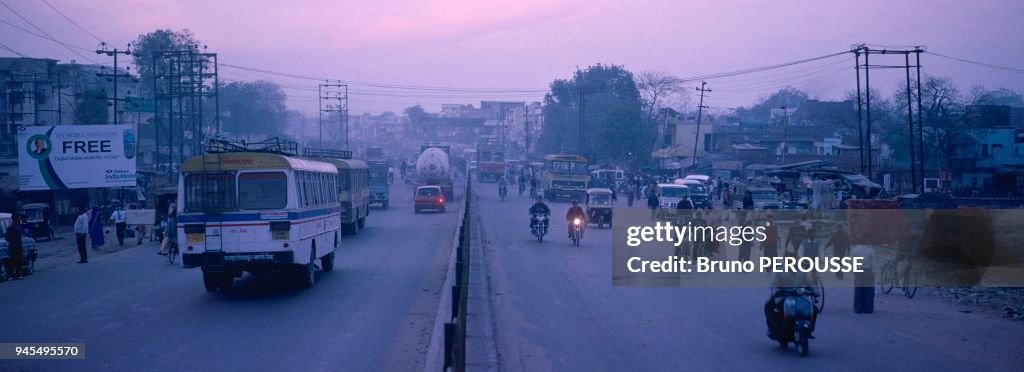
[[119, 223], [81, 232], [864, 282]]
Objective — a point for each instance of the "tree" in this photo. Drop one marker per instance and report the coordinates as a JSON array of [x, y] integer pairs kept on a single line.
[[160, 40], [91, 107], [253, 108], [998, 97], [416, 115], [789, 97], [658, 89], [613, 124]]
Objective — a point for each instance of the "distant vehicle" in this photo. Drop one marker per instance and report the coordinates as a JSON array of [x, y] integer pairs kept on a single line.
[[669, 194], [565, 177], [429, 197], [698, 177], [433, 168], [39, 220], [699, 194], [380, 187], [607, 177], [374, 153], [353, 187], [599, 207], [764, 198], [257, 212], [28, 250], [490, 159]]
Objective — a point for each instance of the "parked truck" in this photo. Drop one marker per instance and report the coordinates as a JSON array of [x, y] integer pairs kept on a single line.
[[433, 167]]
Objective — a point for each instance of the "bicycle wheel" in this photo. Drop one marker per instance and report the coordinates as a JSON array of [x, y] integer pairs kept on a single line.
[[172, 253], [888, 280], [910, 281]]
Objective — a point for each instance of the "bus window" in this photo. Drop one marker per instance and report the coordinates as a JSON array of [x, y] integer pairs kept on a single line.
[[264, 190], [344, 175], [209, 192], [498, 157]]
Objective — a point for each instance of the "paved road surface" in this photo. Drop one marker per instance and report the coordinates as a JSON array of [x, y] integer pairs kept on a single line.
[[554, 308], [136, 312]]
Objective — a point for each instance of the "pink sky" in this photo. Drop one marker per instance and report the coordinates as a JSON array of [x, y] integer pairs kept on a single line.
[[523, 45]]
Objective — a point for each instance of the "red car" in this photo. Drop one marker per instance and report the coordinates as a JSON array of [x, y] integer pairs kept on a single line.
[[429, 197]]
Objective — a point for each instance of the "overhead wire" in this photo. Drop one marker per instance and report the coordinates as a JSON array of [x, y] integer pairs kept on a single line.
[[48, 36], [72, 21]]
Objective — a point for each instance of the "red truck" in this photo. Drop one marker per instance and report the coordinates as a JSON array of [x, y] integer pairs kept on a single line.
[[490, 161]]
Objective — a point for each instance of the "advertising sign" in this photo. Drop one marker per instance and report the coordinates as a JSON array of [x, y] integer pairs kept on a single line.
[[76, 156]]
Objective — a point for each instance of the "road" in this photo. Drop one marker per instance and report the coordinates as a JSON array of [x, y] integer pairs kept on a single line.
[[553, 308], [134, 311]]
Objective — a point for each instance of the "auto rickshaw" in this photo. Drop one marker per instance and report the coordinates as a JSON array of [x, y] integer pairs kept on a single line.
[[599, 207], [38, 220]]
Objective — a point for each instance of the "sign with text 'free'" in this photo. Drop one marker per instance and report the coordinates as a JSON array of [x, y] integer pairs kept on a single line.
[[76, 156]]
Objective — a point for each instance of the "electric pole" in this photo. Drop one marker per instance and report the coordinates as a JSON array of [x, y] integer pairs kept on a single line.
[[785, 135], [117, 74], [579, 112], [700, 116], [334, 100]]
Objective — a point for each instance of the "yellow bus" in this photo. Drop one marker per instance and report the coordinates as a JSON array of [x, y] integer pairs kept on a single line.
[[565, 177], [353, 187]]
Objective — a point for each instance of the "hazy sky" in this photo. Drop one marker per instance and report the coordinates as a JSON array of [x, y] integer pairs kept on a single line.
[[522, 45]]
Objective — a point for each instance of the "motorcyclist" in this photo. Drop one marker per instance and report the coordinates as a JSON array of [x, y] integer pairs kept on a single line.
[[783, 284], [575, 211], [502, 185], [538, 208]]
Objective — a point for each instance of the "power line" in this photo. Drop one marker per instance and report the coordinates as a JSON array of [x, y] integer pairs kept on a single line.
[[12, 50], [72, 21], [51, 38], [762, 68], [989, 65]]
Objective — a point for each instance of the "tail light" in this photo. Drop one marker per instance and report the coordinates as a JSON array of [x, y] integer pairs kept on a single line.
[[440, 200]]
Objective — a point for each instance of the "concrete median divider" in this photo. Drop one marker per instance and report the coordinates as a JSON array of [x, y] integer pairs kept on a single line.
[[447, 350]]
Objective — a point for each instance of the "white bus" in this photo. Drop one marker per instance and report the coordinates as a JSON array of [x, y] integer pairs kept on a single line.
[[257, 212]]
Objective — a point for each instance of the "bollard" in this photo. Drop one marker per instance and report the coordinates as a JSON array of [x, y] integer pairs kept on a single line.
[[456, 301], [449, 344]]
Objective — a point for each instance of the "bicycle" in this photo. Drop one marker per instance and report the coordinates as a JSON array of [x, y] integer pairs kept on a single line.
[[820, 287], [899, 271]]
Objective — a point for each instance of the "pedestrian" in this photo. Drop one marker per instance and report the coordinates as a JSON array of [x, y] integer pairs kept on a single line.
[[81, 231], [810, 245], [652, 203], [770, 245], [727, 198], [840, 243], [744, 254], [15, 250], [96, 228], [796, 235], [170, 234], [864, 281], [748, 200], [119, 223]]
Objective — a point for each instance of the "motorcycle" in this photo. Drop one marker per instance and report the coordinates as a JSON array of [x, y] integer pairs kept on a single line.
[[577, 232], [799, 314], [502, 192], [540, 226]]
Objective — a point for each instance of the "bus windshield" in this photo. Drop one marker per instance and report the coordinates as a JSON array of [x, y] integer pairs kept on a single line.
[[206, 192], [264, 190], [567, 167]]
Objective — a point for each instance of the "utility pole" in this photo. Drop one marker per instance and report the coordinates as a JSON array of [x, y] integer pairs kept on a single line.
[[700, 116], [920, 120], [334, 100], [860, 108], [910, 128], [114, 53], [579, 112], [785, 135]]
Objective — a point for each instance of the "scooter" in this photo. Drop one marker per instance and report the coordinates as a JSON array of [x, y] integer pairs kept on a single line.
[[540, 226], [577, 231], [502, 192], [799, 315]]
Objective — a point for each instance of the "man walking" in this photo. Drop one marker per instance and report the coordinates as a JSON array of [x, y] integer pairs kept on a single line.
[[119, 223], [864, 290], [81, 232], [840, 243], [14, 247]]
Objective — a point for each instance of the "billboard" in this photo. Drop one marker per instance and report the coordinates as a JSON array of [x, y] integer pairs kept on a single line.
[[76, 156]]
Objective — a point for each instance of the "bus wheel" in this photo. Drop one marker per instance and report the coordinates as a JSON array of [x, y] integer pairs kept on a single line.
[[217, 282], [308, 272], [385, 205], [327, 262]]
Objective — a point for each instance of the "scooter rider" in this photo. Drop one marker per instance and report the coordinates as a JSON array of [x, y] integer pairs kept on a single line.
[[538, 208], [575, 212], [783, 283], [502, 184]]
